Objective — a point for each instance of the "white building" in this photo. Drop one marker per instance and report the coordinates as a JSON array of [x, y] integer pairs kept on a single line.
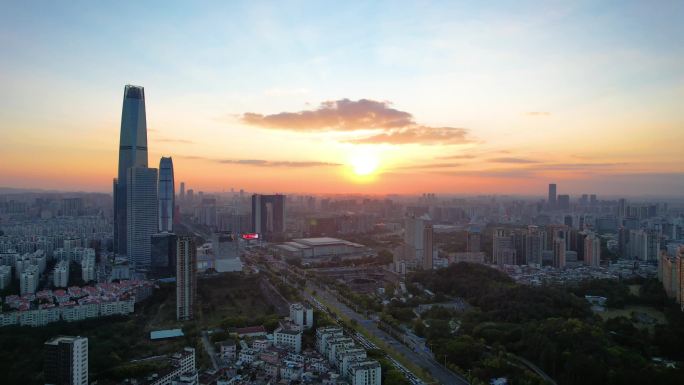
[[365, 372], [5, 276], [28, 281], [88, 269], [60, 276], [290, 338], [66, 361], [301, 315]]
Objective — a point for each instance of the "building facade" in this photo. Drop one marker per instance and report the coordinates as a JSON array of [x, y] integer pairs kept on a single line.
[[66, 361], [186, 278]]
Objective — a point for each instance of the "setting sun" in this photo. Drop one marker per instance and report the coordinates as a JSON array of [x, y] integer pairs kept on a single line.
[[364, 163]]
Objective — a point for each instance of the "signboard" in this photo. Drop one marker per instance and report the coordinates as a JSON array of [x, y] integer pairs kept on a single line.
[[250, 236]]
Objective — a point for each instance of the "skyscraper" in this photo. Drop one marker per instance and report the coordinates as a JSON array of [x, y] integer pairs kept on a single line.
[[132, 153], [552, 195], [66, 361], [268, 214], [142, 222], [182, 191], [186, 278], [428, 247], [166, 195]]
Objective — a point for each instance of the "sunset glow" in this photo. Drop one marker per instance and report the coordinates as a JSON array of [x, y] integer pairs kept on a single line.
[[469, 100]]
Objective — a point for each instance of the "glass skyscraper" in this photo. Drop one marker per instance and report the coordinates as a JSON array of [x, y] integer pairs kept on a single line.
[[132, 153], [166, 195], [141, 187]]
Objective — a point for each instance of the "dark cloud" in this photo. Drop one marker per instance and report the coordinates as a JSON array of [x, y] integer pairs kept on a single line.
[[265, 163], [418, 135], [339, 115], [513, 160]]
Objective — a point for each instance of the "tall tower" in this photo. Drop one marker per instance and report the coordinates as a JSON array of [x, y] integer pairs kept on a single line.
[[141, 219], [66, 361], [166, 195], [552, 195], [428, 248], [186, 278], [132, 153]]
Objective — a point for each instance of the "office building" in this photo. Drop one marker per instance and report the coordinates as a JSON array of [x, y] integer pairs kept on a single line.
[[563, 202], [428, 246], [166, 195], [163, 255], [182, 191], [142, 213], [132, 153], [552, 196], [66, 361], [268, 214], [186, 277]]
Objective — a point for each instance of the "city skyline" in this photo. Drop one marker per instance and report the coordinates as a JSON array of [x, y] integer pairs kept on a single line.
[[462, 99]]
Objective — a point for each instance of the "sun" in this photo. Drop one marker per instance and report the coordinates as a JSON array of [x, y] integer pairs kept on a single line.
[[364, 163]]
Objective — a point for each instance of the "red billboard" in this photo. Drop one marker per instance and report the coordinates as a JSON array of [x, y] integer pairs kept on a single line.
[[250, 236]]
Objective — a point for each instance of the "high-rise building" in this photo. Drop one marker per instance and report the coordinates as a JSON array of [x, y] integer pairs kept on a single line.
[[72, 207], [182, 191], [563, 201], [141, 186], [163, 255], [167, 195], [428, 246], [28, 281], [559, 251], [592, 250], [132, 153], [186, 277], [474, 240], [268, 214], [60, 275], [552, 195], [66, 361], [503, 250]]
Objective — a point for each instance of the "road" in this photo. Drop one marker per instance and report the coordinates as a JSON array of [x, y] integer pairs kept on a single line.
[[209, 347], [422, 359]]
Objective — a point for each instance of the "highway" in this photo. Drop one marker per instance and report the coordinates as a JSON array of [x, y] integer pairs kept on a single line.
[[422, 359]]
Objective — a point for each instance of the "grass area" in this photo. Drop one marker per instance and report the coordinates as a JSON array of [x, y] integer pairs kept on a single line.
[[634, 290], [410, 365], [115, 341], [628, 310]]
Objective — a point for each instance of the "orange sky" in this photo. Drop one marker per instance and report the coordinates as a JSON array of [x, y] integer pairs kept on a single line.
[[468, 99]]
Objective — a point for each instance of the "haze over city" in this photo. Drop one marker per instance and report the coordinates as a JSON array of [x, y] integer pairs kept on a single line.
[[411, 97]]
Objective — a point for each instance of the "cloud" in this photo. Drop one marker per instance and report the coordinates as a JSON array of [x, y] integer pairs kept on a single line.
[[513, 160], [418, 135], [391, 126], [171, 140], [264, 163], [462, 156], [538, 113], [339, 115], [430, 165]]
